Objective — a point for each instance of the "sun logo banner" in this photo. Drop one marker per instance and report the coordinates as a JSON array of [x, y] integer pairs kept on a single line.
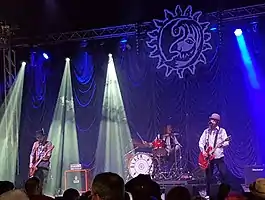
[[179, 42]]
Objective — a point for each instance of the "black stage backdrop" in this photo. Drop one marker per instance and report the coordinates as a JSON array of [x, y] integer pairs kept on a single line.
[[151, 100]]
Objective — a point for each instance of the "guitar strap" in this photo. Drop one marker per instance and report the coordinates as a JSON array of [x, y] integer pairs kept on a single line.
[[215, 139]]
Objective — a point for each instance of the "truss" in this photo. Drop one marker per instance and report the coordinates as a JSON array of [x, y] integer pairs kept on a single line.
[[95, 34], [239, 13], [131, 29], [8, 57]]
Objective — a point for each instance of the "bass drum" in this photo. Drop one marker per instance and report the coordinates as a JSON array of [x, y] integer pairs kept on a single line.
[[141, 163]]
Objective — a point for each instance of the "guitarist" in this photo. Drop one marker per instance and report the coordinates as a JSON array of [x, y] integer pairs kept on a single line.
[[40, 151], [213, 136]]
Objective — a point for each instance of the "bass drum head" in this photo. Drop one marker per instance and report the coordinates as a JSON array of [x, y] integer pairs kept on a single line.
[[141, 163]]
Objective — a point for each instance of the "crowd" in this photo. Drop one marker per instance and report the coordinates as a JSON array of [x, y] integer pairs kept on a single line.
[[110, 186]]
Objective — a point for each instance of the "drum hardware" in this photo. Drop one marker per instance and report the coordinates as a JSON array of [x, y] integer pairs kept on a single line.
[[130, 151], [155, 164], [127, 157], [159, 148], [176, 171]]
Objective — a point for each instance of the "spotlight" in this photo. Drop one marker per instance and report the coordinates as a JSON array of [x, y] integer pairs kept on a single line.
[[213, 29], [123, 40], [45, 55], [123, 44], [67, 59], [24, 63], [254, 26], [83, 44], [238, 32]]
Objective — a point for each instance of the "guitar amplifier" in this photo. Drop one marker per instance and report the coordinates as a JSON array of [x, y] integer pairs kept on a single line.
[[77, 179], [253, 172]]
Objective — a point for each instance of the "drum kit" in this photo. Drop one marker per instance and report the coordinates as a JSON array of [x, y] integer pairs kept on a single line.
[[155, 164]]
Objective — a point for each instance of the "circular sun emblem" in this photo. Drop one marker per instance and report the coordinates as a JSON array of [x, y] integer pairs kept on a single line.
[[179, 41]]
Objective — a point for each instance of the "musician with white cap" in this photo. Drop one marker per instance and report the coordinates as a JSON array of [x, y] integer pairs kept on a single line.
[[215, 137]]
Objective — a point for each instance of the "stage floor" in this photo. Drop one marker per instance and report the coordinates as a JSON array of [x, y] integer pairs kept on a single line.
[[195, 189]]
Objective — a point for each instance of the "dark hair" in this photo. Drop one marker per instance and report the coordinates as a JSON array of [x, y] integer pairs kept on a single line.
[[32, 184], [108, 186], [179, 192], [166, 127], [70, 194], [6, 186], [143, 187], [40, 133]]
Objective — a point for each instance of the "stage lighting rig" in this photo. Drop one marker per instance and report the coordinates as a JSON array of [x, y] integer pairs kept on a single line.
[[5, 32], [254, 25], [8, 60]]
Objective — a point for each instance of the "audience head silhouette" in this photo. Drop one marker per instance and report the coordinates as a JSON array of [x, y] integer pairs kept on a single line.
[[14, 195], [33, 186], [6, 186], [143, 187], [108, 186], [178, 192], [71, 194]]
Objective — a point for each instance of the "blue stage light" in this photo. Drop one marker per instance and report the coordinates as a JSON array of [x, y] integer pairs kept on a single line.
[[123, 40], [213, 29], [238, 32], [45, 55]]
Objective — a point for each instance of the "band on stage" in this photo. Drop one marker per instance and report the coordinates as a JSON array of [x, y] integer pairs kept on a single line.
[[165, 162]]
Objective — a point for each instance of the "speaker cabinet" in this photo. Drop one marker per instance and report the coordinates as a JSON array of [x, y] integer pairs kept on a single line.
[[253, 172], [77, 179]]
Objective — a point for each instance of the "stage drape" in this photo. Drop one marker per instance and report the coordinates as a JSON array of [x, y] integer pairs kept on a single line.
[[151, 100], [40, 95]]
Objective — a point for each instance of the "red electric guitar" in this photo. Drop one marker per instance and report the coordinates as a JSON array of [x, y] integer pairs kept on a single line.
[[204, 160], [34, 168]]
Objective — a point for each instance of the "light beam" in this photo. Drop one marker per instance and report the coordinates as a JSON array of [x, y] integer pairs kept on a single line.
[[114, 139], [63, 135], [9, 128]]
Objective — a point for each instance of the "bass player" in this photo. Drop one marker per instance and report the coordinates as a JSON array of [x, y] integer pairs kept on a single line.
[[215, 137], [40, 157]]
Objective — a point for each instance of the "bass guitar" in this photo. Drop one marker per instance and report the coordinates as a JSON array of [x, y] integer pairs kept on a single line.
[[34, 168], [204, 159]]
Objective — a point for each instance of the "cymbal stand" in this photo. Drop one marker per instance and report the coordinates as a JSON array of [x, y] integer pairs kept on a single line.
[[180, 160], [126, 163], [176, 169], [159, 174]]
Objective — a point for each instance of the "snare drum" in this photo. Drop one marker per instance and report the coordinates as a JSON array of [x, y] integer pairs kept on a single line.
[[141, 163], [159, 147]]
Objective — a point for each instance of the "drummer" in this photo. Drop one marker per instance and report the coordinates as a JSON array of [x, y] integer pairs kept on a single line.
[[169, 138], [171, 143]]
